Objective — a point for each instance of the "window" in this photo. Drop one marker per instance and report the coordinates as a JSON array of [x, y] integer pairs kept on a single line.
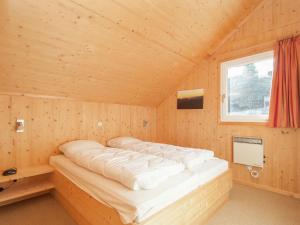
[[246, 87]]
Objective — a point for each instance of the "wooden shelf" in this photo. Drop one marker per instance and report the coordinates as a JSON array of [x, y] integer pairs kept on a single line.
[[28, 190], [29, 183], [27, 172]]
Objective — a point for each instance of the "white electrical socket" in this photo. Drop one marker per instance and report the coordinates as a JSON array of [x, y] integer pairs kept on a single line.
[[20, 125]]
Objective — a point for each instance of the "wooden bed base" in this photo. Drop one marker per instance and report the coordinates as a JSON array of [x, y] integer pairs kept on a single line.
[[193, 209]]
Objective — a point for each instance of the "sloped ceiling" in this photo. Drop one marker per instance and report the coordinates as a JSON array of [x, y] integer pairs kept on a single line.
[[133, 51]]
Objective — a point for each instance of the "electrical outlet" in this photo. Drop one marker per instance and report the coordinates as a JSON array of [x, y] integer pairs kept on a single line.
[[20, 125]]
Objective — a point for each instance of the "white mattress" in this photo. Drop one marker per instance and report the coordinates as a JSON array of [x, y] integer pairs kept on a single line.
[[136, 206]]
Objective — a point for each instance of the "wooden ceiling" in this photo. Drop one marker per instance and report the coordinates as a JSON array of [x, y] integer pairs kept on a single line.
[[133, 51]]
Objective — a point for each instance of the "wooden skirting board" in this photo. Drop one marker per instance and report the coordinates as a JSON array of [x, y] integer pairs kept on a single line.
[[193, 209]]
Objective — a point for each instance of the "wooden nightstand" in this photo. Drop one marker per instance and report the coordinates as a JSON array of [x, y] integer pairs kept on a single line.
[[27, 183]]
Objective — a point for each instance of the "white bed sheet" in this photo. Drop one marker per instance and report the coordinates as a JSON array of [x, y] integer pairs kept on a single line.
[[136, 206]]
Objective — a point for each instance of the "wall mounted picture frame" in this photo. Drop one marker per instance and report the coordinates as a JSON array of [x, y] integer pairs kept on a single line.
[[190, 99]]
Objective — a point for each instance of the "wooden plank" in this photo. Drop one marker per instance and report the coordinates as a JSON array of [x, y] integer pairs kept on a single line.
[[192, 209], [107, 50], [196, 207], [51, 122], [27, 172], [24, 191], [81, 206], [7, 153]]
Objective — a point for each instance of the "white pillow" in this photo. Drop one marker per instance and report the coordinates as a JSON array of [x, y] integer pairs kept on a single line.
[[78, 145], [120, 141]]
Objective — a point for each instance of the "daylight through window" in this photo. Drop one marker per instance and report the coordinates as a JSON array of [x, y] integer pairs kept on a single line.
[[246, 88]]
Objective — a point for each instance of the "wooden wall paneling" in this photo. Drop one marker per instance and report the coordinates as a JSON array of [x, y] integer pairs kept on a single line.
[[67, 115], [21, 109], [298, 161], [136, 121], [152, 125], [42, 128], [51, 122], [125, 120], [104, 120], [147, 121], [113, 115], [90, 117], [272, 20], [166, 121], [7, 155], [286, 164]]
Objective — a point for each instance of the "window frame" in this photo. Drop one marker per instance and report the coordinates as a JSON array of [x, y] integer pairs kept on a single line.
[[225, 117]]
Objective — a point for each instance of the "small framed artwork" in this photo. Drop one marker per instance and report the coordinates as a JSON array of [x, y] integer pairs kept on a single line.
[[190, 99]]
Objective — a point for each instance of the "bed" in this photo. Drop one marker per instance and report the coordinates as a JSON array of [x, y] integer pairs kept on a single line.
[[186, 198]]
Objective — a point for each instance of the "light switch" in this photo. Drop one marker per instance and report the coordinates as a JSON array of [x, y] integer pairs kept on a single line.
[[20, 125], [100, 124]]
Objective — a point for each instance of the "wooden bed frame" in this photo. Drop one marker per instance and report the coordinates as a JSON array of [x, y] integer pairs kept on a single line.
[[193, 209]]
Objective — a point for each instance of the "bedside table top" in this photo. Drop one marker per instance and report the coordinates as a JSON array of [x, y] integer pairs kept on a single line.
[[27, 172]]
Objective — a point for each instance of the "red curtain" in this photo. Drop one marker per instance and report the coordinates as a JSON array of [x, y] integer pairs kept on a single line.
[[285, 96]]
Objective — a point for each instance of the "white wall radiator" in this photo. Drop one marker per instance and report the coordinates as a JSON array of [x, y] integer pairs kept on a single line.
[[248, 151]]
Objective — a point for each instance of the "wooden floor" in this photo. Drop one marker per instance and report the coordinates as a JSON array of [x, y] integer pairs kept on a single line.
[[247, 206]]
